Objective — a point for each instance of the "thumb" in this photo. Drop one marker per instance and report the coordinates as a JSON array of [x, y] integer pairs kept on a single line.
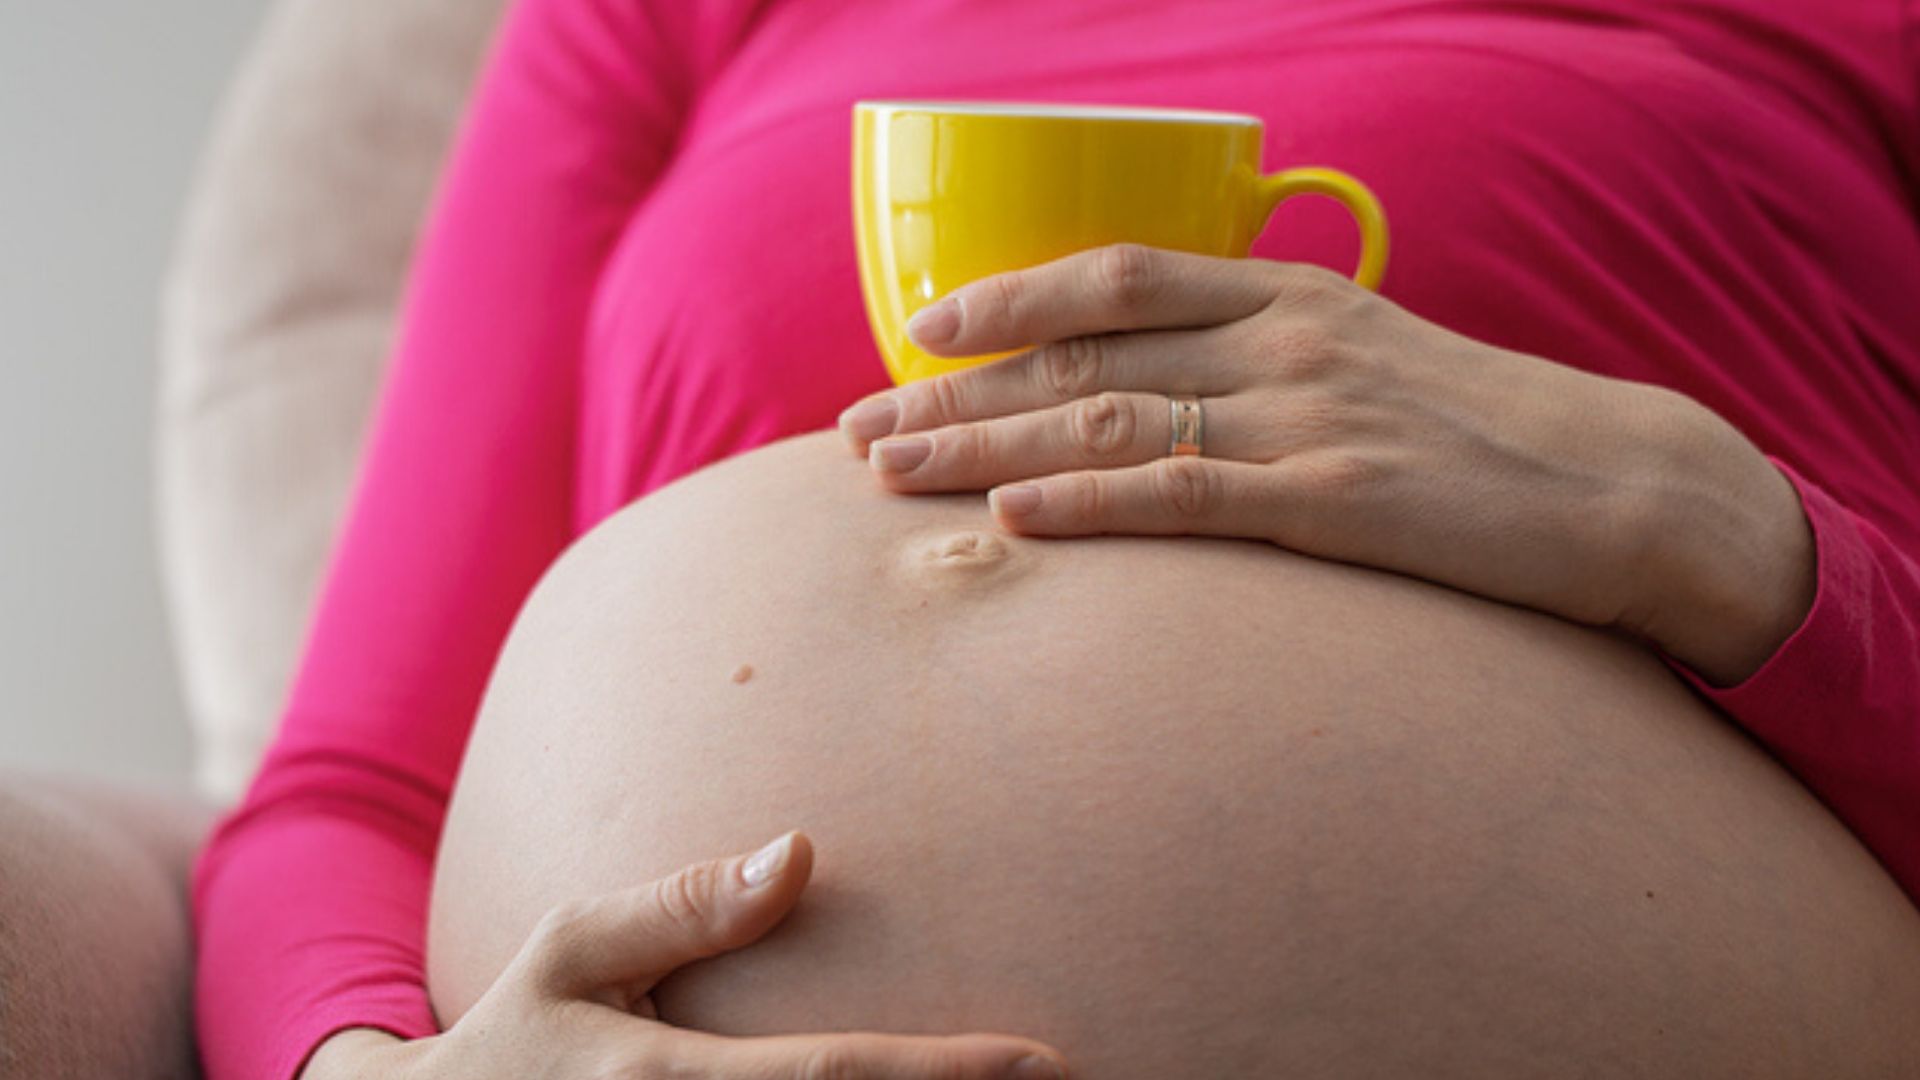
[[636, 937]]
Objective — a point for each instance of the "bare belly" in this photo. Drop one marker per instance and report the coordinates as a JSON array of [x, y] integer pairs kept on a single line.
[[1181, 808]]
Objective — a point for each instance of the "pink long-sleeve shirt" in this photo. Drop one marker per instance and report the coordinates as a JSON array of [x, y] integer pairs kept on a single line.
[[641, 261]]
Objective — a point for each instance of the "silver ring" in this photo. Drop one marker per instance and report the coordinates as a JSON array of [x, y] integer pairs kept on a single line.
[[1187, 419]]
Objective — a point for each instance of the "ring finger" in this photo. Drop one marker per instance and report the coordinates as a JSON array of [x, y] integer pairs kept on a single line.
[[1167, 361], [1106, 431]]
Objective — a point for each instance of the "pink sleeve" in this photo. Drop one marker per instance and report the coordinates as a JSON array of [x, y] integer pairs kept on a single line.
[[310, 900], [1839, 702]]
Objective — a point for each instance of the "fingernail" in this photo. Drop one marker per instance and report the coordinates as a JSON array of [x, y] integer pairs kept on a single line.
[[1014, 501], [764, 865], [1035, 1067], [868, 420], [901, 455], [935, 325]]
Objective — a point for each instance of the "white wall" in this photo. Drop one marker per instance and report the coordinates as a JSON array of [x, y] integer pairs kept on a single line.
[[103, 105]]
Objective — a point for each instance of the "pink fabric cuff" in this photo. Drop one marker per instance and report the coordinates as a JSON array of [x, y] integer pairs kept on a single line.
[[305, 1034], [1818, 661]]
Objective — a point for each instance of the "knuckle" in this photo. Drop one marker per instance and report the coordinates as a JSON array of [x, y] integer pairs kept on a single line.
[[649, 1059], [946, 398], [1103, 425], [551, 948], [1305, 350], [965, 446], [1328, 475], [561, 925], [1129, 274], [1007, 295], [685, 900], [1070, 368], [1327, 489], [1187, 486], [1085, 497], [622, 1063], [837, 1060], [1307, 285]]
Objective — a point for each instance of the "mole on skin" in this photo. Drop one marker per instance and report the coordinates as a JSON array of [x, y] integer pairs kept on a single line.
[[743, 673]]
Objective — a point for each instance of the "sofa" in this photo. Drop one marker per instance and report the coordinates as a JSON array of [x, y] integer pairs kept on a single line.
[[277, 311]]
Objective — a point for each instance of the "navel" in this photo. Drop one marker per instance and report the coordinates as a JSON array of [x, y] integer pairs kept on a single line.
[[970, 548], [956, 557]]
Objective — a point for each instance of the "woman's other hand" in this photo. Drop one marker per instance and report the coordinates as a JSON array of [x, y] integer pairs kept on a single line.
[[574, 1002], [1338, 424]]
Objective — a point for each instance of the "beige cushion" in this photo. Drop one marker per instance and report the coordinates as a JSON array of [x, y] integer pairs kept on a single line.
[[277, 314]]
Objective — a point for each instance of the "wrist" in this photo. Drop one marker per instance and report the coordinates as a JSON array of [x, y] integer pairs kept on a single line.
[[1733, 576], [359, 1054]]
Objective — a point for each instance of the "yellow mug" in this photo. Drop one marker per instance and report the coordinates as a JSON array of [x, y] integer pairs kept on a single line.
[[948, 192]]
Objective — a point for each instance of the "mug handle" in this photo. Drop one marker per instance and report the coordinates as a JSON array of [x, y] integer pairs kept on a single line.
[[1274, 188]]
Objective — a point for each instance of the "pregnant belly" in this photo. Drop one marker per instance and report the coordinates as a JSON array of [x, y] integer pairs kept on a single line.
[[1180, 807]]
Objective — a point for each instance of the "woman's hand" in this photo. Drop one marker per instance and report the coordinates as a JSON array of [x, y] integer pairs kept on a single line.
[[574, 1003], [1339, 424]]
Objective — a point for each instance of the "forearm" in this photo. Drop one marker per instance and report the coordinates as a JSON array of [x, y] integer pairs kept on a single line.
[[310, 913]]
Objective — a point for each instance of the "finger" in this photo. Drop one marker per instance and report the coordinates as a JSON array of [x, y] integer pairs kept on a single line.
[[860, 1056], [1207, 362], [634, 938], [1118, 287], [1107, 431], [1169, 496], [1167, 361]]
